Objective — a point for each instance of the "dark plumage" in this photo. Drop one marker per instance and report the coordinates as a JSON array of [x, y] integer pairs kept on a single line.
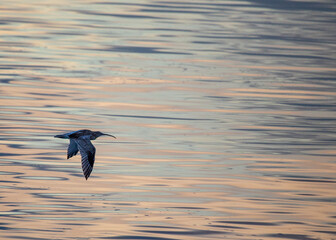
[[80, 141]]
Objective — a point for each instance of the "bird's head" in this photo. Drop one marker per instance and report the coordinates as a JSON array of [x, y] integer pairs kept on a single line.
[[98, 134]]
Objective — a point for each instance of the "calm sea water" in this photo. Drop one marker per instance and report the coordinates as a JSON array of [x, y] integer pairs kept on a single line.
[[224, 113]]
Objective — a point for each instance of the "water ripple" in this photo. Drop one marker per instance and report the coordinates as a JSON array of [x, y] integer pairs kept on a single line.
[[224, 114]]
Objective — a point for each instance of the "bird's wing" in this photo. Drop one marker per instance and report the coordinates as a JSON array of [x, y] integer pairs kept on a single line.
[[72, 148], [87, 150]]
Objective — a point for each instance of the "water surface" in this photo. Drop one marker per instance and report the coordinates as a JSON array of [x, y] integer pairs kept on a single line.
[[224, 113]]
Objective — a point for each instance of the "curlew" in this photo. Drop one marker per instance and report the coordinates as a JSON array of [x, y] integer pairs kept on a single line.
[[81, 140]]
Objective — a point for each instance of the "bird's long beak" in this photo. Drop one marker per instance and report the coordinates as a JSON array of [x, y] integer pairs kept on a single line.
[[109, 135]]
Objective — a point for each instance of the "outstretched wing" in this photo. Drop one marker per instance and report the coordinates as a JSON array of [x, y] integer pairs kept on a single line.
[[87, 150], [72, 148]]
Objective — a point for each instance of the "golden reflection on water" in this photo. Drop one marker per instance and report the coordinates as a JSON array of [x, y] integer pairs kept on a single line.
[[224, 122]]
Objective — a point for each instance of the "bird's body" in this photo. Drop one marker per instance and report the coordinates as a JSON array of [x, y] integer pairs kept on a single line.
[[81, 141]]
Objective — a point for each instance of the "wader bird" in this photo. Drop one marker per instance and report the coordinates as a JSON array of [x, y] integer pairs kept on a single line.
[[81, 140]]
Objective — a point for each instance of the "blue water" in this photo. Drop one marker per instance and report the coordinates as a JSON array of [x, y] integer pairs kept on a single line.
[[224, 113]]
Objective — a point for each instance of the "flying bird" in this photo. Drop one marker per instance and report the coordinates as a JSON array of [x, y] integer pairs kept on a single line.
[[80, 140]]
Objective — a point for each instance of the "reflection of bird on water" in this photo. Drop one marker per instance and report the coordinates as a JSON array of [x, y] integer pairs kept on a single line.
[[81, 140]]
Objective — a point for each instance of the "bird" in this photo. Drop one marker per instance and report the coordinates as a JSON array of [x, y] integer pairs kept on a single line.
[[81, 140]]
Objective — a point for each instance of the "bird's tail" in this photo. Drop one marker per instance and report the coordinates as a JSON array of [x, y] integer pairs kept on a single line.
[[61, 136]]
